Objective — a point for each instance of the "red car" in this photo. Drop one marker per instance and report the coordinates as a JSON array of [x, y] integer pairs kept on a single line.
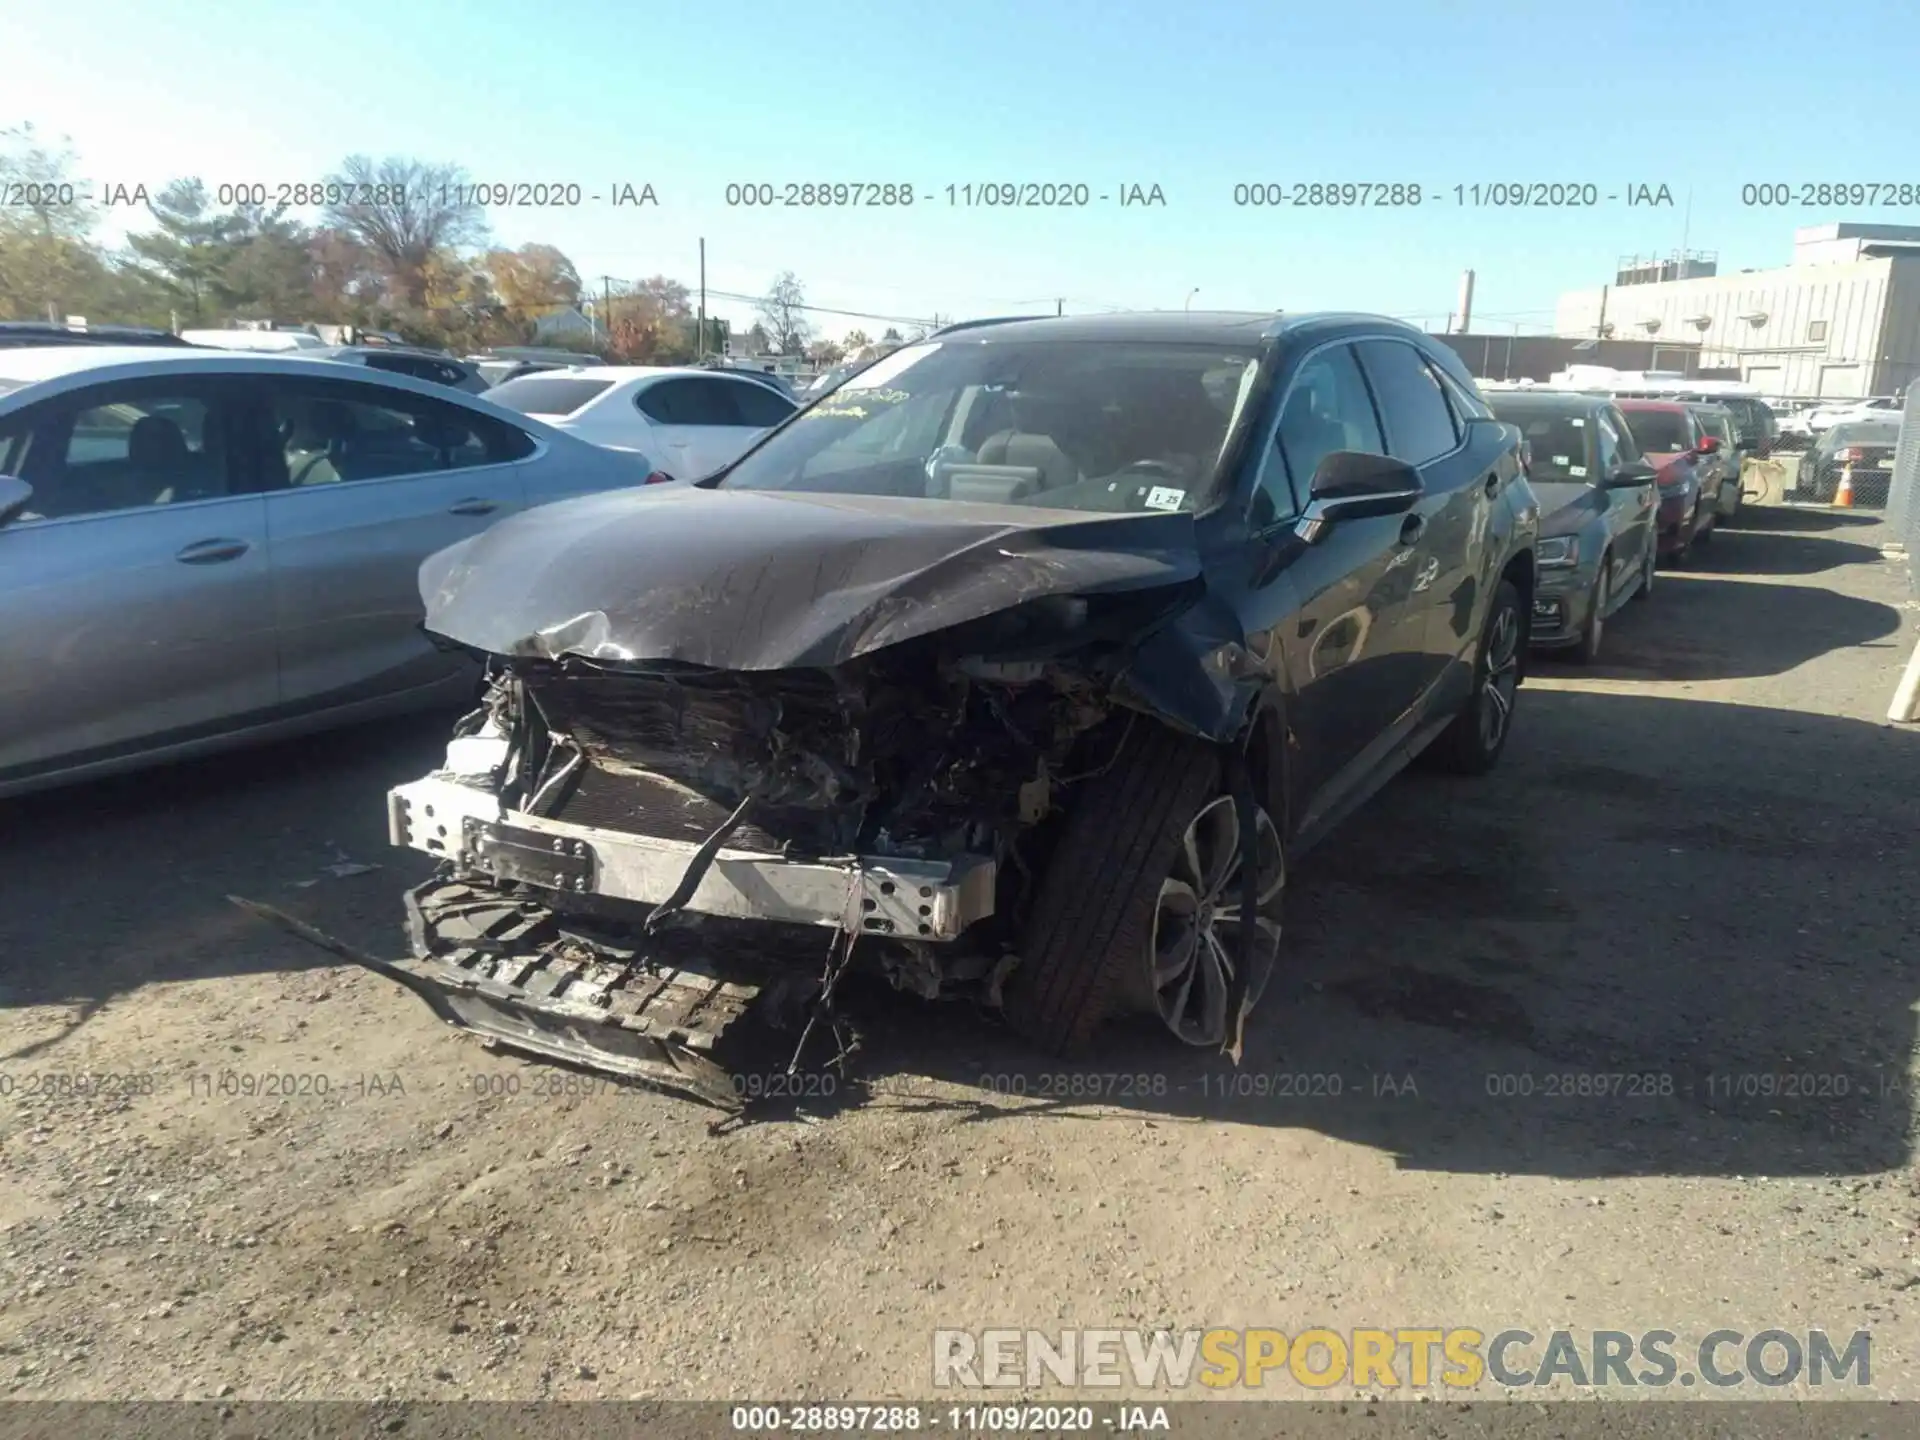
[[1673, 441]]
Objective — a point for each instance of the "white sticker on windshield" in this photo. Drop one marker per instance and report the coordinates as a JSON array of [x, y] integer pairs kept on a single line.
[[1577, 423], [1563, 461], [1165, 497], [1578, 472]]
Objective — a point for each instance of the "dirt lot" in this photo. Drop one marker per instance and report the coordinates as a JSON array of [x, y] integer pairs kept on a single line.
[[1696, 862]]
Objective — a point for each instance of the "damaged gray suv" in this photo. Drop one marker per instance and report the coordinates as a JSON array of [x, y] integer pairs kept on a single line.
[[1019, 668]]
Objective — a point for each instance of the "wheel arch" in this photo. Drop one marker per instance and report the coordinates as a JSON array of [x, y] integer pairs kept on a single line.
[[1264, 746], [1519, 569]]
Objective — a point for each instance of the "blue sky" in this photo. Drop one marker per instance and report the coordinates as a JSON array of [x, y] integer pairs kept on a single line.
[[1189, 95]]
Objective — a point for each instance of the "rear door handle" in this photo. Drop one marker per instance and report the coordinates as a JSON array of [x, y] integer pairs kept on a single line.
[[1412, 528], [474, 505], [211, 552]]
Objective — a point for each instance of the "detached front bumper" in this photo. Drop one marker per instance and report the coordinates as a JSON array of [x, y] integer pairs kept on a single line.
[[535, 937], [909, 899]]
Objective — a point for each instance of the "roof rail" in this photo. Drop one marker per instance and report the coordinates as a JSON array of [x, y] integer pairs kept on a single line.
[[977, 324]]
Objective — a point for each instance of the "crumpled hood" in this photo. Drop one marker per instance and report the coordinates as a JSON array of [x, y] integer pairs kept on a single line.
[[771, 580]]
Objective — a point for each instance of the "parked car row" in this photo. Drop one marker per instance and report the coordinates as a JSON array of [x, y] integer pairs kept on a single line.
[[1624, 483], [1860, 451], [1803, 424]]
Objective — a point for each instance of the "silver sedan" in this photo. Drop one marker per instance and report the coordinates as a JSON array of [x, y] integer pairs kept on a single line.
[[202, 549]]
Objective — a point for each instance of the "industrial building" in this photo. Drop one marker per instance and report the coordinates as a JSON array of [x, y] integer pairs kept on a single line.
[[1841, 319]]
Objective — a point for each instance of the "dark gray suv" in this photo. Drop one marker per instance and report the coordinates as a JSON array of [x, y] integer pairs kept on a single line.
[[1022, 665]]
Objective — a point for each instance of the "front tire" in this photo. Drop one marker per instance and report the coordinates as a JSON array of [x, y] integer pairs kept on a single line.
[[1138, 908], [1472, 744]]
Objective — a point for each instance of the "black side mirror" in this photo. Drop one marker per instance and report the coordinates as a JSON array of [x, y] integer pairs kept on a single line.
[[1353, 485], [14, 495], [1631, 475]]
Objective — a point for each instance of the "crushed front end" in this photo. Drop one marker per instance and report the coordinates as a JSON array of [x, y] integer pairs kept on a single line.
[[659, 870]]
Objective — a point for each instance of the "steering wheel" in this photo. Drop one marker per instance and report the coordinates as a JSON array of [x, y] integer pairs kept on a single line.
[[1153, 467]]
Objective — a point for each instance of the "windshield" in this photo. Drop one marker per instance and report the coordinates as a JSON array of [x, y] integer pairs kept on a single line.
[[1561, 441], [1079, 425], [1659, 432], [547, 394]]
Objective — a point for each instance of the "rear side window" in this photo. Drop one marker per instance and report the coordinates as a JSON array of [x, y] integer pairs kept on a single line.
[[327, 433], [1419, 421], [691, 401], [548, 394], [760, 406], [437, 371]]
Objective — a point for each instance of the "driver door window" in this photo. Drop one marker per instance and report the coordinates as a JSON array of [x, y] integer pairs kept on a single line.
[[1327, 409], [1611, 452], [1629, 447], [126, 451]]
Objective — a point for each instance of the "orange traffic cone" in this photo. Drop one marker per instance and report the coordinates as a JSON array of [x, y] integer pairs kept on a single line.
[[1843, 496]]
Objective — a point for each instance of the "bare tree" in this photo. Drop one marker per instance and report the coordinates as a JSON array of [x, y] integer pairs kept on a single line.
[[406, 212], [783, 313]]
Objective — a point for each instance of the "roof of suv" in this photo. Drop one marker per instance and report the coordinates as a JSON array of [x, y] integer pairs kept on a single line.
[[1563, 401], [1234, 327], [1669, 406]]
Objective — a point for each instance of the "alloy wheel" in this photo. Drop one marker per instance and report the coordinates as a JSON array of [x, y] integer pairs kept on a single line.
[[1500, 680], [1197, 921]]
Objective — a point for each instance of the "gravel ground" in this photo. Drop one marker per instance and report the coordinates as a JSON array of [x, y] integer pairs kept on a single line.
[[1694, 866]]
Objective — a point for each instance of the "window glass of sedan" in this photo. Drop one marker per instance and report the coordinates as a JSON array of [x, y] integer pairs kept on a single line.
[[328, 433], [690, 401], [1419, 422], [141, 448], [760, 406], [1661, 432], [1327, 409]]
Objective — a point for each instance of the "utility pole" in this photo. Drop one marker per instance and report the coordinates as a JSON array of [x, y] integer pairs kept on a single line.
[[1600, 330], [1059, 307], [606, 305], [701, 345]]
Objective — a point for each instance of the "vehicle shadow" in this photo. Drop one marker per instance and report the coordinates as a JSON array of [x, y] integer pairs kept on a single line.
[[1668, 937], [122, 882], [1771, 551], [1802, 517], [1700, 626]]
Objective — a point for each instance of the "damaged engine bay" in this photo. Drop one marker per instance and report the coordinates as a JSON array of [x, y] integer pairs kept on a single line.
[[617, 836]]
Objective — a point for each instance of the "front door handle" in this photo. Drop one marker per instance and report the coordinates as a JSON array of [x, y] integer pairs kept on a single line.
[[473, 505], [1412, 528], [211, 552]]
